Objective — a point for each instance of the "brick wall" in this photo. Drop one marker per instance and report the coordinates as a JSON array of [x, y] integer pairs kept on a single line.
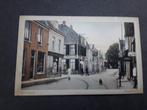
[[33, 45]]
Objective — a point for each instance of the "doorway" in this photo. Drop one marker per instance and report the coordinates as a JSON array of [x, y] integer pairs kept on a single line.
[[32, 69]]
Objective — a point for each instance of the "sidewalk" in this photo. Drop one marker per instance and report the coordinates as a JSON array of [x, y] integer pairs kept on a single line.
[[125, 83], [41, 81]]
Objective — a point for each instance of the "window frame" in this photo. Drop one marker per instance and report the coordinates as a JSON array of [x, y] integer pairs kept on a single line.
[[53, 43], [40, 35], [72, 49], [59, 45], [27, 31]]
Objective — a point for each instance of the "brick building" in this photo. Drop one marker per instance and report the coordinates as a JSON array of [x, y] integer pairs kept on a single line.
[[35, 50]]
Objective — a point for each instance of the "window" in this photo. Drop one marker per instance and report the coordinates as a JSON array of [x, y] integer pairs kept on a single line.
[[53, 43], [64, 49], [72, 64], [40, 63], [40, 35], [27, 31], [72, 50], [59, 45], [67, 63], [67, 49], [63, 64]]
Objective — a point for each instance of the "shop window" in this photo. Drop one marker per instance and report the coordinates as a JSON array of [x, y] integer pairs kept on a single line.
[[40, 63], [72, 64], [32, 66], [67, 63]]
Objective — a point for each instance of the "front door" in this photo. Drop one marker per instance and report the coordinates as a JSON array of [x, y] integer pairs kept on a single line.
[[32, 70]]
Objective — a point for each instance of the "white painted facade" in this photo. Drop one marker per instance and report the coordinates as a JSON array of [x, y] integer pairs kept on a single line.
[[56, 48], [56, 42]]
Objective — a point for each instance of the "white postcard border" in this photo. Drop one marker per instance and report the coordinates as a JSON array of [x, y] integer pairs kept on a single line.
[[20, 92]]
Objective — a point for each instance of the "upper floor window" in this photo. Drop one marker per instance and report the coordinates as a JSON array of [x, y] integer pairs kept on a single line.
[[59, 45], [27, 31], [72, 50], [40, 35], [53, 43], [64, 49]]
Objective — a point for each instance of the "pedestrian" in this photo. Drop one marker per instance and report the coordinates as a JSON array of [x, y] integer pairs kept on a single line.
[[135, 76], [100, 82], [120, 74], [69, 73], [82, 72], [87, 71]]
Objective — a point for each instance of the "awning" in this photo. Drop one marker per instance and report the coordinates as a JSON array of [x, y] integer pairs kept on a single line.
[[55, 54]]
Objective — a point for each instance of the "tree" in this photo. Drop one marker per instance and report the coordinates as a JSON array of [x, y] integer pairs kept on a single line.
[[112, 55]]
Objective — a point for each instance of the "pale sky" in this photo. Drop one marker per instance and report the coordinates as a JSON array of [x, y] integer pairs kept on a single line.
[[101, 34]]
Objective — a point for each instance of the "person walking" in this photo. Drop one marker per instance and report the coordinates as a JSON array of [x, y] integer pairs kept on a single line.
[[120, 74], [69, 73], [87, 73], [135, 76]]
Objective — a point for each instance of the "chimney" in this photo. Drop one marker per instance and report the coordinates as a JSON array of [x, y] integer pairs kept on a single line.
[[71, 26], [64, 22]]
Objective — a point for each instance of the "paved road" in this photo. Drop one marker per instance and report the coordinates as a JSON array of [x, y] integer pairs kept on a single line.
[[82, 82]]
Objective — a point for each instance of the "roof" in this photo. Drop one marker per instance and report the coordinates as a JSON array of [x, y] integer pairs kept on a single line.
[[71, 37], [48, 24]]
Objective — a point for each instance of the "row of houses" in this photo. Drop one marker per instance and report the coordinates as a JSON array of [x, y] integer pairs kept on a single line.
[[127, 52], [51, 48]]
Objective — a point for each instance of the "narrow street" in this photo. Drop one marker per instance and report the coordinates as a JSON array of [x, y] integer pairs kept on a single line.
[[90, 63], [82, 82]]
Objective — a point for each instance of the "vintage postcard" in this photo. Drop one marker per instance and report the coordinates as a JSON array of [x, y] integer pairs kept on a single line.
[[68, 55]]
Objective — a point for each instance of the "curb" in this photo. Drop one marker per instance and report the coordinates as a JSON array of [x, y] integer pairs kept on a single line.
[[35, 82]]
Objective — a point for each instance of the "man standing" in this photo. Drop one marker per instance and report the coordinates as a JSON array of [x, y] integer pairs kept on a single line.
[[87, 71], [69, 73], [135, 76]]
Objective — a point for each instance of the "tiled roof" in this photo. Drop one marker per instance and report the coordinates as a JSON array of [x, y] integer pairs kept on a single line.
[[48, 25], [71, 37], [44, 23]]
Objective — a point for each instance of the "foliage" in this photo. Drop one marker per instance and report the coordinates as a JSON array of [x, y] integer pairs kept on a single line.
[[112, 55]]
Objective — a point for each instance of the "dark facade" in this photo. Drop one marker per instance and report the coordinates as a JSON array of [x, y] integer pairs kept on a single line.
[[127, 57]]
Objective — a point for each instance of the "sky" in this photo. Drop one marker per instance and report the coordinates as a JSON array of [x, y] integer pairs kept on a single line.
[[101, 34]]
